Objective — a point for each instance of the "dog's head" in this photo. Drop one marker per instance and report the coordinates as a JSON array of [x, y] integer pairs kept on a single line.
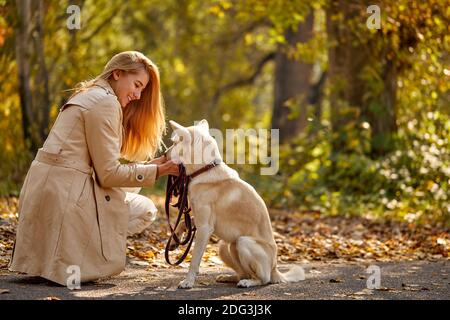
[[193, 145]]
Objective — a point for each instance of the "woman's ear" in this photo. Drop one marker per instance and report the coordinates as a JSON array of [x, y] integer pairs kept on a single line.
[[116, 74]]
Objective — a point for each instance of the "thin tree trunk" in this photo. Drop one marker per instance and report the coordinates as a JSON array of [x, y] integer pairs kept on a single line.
[[42, 79], [292, 88], [316, 98], [382, 117], [346, 62], [352, 99], [22, 39], [33, 87]]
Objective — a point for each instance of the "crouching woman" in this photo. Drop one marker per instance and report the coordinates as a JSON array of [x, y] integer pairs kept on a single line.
[[74, 208]]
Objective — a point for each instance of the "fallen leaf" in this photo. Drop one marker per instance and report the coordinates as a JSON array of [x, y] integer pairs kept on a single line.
[[160, 288], [51, 298], [384, 289], [363, 292], [140, 263], [315, 271], [413, 287]]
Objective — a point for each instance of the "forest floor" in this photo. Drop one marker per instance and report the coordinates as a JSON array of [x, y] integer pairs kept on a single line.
[[335, 253]]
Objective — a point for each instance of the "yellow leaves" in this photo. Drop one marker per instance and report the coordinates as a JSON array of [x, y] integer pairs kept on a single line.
[[249, 39], [148, 255], [353, 143], [211, 256], [318, 151], [179, 66], [8, 208], [441, 245], [434, 95], [219, 9], [8, 224], [313, 166], [287, 193], [439, 23]]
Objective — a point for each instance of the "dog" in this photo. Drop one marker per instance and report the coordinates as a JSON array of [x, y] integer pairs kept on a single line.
[[229, 207]]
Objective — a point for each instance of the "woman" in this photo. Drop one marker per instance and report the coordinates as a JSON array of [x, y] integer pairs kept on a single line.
[[73, 208]]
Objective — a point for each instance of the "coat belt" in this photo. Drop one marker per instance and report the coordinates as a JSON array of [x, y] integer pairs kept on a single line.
[[59, 160]]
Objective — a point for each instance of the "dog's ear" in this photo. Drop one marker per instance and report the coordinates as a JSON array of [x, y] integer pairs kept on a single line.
[[175, 125], [178, 131], [204, 124]]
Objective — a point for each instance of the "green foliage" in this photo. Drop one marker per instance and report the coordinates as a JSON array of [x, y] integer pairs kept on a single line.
[[411, 183]]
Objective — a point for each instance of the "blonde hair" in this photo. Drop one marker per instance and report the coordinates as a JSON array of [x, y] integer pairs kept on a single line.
[[143, 120]]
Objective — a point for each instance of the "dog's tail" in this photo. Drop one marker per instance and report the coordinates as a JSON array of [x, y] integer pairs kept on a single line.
[[295, 274]]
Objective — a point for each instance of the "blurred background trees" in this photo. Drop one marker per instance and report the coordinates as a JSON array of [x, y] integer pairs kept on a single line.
[[363, 113]]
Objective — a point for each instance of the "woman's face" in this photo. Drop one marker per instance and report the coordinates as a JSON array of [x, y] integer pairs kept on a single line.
[[129, 86]]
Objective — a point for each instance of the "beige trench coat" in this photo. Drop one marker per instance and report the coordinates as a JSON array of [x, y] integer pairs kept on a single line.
[[71, 206]]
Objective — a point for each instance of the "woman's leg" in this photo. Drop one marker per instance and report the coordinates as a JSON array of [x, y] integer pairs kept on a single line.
[[142, 212]]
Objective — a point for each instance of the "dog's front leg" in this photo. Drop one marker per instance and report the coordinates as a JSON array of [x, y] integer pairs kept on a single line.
[[204, 232]]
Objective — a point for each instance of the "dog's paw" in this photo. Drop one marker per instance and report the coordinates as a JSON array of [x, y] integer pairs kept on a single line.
[[278, 281], [186, 284], [227, 278], [245, 283]]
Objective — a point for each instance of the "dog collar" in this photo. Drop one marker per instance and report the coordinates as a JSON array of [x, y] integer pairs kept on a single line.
[[205, 168]]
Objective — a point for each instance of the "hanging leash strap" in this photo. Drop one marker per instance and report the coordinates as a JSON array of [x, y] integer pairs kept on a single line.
[[178, 187]]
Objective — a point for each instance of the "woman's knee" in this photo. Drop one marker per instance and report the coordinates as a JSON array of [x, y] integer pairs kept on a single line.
[[141, 206], [142, 213]]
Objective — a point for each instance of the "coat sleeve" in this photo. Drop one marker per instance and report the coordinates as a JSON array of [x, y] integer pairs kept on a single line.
[[102, 127]]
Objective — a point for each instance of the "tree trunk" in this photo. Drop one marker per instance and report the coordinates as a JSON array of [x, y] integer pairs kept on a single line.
[[382, 115], [316, 98], [41, 85], [22, 39], [33, 88], [352, 99], [347, 59], [292, 89]]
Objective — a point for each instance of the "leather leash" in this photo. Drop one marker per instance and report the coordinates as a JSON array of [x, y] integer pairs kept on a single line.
[[178, 187]]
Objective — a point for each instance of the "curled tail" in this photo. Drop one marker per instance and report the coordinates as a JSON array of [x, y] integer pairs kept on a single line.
[[295, 274]]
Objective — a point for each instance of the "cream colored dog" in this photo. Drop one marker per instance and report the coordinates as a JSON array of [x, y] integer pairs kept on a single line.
[[230, 208]]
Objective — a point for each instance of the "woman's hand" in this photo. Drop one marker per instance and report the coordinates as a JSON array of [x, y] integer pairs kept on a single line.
[[169, 167], [159, 160]]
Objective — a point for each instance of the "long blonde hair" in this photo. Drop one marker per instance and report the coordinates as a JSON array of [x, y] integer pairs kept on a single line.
[[143, 120]]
